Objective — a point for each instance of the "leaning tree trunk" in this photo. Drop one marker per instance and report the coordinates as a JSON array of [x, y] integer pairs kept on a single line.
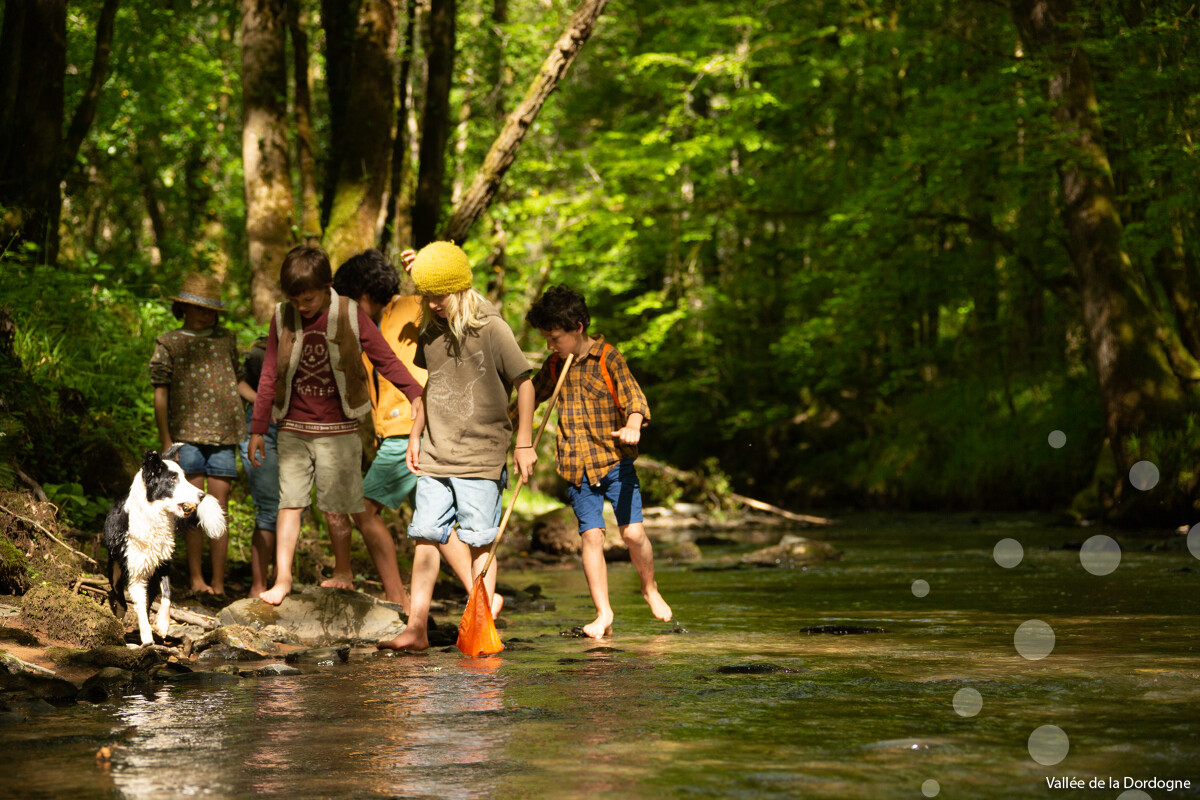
[[1143, 398], [504, 150], [265, 162], [435, 123], [366, 147], [33, 62]]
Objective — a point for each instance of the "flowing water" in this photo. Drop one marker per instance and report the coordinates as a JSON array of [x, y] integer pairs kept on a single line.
[[741, 703]]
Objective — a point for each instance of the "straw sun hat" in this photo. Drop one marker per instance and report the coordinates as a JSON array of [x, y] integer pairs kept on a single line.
[[201, 290]]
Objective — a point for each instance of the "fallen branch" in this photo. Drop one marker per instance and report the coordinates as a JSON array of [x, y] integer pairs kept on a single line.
[[189, 617], [692, 479], [43, 529]]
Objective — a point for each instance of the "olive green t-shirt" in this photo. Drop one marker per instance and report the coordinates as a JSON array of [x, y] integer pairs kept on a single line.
[[467, 429]]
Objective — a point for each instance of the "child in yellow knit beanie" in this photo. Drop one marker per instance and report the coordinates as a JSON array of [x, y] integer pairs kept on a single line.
[[461, 431]]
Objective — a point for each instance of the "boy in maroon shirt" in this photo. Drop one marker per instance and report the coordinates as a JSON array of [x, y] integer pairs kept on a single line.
[[314, 385]]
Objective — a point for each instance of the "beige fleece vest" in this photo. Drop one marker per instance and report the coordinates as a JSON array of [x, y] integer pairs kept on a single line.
[[345, 356]]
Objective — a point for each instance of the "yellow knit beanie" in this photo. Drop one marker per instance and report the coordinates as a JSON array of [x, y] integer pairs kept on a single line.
[[441, 268]]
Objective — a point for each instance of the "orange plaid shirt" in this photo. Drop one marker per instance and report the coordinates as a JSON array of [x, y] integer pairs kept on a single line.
[[587, 415]]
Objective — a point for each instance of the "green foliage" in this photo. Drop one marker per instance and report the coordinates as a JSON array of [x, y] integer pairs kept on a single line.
[[826, 235], [75, 507]]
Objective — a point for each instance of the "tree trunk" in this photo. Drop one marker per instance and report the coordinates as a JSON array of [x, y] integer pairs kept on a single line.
[[435, 131], [338, 17], [310, 202], [33, 62], [1131, 349], [504, 150], [367, 145], [397, 232], [85, 112], [265, 161]]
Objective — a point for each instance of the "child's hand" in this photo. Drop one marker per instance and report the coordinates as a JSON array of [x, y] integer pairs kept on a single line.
[[629, 434], [407, 258], [412, 456], [525, 459], [257, 449]]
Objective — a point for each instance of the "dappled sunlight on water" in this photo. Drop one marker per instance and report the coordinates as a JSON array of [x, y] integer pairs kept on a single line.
[[731, 700]]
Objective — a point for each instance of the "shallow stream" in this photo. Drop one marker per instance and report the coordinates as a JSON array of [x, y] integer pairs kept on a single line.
[[741, 703]]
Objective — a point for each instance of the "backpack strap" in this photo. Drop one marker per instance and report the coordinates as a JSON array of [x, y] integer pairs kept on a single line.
[[555, 365], [608, 378]]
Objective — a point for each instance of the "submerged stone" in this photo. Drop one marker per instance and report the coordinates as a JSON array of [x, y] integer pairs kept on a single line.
[[793, 551], [759, 668], [842, 630], [319, 655]]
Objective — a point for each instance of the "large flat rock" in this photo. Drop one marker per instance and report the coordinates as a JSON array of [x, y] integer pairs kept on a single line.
[[318, 617]]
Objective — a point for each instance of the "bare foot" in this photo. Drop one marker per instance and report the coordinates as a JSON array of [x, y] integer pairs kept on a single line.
[[339, 582], [411, 639], [658, 606], [218, 588], [200, 587], [600, 627], [497, 605], [256, 589], [276, 593]]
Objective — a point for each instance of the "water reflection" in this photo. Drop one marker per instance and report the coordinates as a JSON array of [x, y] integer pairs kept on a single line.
[[385, 726]]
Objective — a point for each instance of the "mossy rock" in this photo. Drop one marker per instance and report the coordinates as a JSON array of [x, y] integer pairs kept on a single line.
[[13, 571], [55, 613], [132, 659]]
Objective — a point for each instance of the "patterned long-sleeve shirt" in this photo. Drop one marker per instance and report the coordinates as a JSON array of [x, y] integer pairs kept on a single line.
[[588, 413]]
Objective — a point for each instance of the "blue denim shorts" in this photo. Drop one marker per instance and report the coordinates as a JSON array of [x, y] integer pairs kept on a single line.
[[620, 487], [263, 481], [389, 481], [217, 460], [474, 503]]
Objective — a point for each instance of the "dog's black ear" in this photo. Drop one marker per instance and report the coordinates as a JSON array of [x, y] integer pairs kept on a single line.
[[172, 452], [152, 465]]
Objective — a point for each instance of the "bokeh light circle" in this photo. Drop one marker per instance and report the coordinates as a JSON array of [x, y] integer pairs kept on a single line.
[[967, 702], [930, 788], [920, 588], [1056, 439], [1144, 475], [1100, 554], [1048, 745], [1193, 540], [1008, 553], [1034, 639]]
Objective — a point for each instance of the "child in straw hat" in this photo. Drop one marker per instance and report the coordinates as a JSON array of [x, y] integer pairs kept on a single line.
[[459, 442], [195, 372]]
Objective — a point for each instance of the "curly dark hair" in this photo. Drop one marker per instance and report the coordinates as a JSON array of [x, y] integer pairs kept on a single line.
[[560, 308], [368, 273]]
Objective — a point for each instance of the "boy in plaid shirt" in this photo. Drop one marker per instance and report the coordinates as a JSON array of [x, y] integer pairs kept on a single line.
[[601, 411]]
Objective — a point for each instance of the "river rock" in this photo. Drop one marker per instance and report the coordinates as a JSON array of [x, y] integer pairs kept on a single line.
[[842, 630], [757, 668], [235, 643], [134, 659], [793, 551], [56, 613], [320, 655], [276, 669], [319, 616], [39, 682], [108, 682]]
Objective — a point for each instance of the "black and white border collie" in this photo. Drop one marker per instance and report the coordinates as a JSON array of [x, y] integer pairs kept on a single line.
[[140, 536]]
